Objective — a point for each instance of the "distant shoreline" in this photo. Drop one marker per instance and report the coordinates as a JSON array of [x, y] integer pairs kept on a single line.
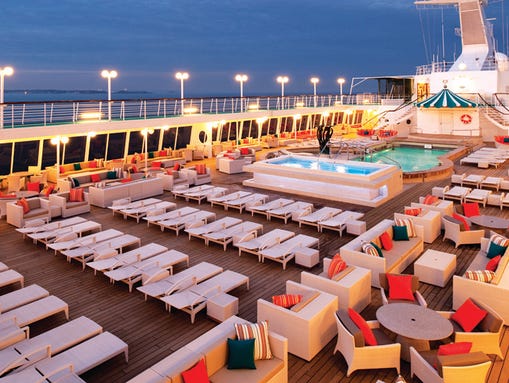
[[63, 91]]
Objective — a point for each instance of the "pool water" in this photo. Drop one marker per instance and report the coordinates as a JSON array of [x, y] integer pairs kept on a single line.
[[409, 158], [313, 164]]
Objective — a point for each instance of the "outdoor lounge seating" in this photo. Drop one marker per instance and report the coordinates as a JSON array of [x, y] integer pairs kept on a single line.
[[309, 325], [314, 218], [233, 234], [429, 220], [221, 200], [284, 252], [442, 206], [204, 194], [78, 229], [298, 208], [140, 212], [340, 221], [155, 217], [74, 242], [37, 310], [252, 244], [21, 297], [479, 196], [186, 221], [37, 208], [386, 296], [492, 182], [182, 190], [457, 193], [69, 207], [265, 207], [220, 224], [117, 206], [471, 367], [9, 277], [473, 180], [360, 356], [41, 225], [460, 237], [243, 202]]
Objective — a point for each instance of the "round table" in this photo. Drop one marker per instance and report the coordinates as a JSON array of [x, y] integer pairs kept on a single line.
[[490, 222], [415, 325]]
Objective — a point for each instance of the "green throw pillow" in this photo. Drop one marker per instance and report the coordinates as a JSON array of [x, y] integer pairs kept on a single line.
[[150, 154], [77, 166], [400, 233], [495, 249], [241, 354], [112, 175]]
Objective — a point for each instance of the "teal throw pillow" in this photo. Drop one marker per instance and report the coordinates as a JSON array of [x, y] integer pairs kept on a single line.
[[495, 249], [400, 233], [75, 182], [150, 154], [241, 354], [112, 175], [77, 166], [378, 249]]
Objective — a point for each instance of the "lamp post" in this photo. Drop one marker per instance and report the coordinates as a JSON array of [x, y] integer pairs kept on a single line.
[[314, 81], [241, 78], [57, 141], [109, 74], [282, 80], [145, 132], [182, 76], [6, 71], [341, 81]]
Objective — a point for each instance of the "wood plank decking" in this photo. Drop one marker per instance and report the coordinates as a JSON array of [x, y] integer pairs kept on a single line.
[[152, 333]]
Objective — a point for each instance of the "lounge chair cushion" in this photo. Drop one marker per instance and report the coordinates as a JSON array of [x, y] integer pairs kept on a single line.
[[400, 287], [498, 245], [468, 315], [197, 373], [409, 226], [336, 266], [360, 322], [286, 300], [241, 354], [371, 249], [480, 275], [454, 348], [471, 209], [400, 233], [260, 333]]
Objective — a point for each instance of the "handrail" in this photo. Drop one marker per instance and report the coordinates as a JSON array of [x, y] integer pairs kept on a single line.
[[391, 160]]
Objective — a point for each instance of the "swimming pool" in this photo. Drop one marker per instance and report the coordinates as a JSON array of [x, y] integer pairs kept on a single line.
[[410, 158], [314, 164]]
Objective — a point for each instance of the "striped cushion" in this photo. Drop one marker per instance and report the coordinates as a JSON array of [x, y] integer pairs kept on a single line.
[[499, 240], [430, 199], [260, 333], [369, 249], [76, 195], [286, 300], [336, 266], [409, 226], [480, 275], [413, 211]]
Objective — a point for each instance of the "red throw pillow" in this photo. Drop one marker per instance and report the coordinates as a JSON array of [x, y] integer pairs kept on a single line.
[[124, 180], [336, 266], [134, 169], [24, 204], [413, 211], [430, 199], [48, 190], [34, 186], [493, 263], [244, 151], [386, 240], [196, 374], [76, 195], [286, 300], [162, 153], [95, 178], [92, 164], [156, 164], [360, 322], [468, 315], [61, 170], [176, 166], [454, 348], [462, 220], [471, 209], [400, 287], [169, 171]]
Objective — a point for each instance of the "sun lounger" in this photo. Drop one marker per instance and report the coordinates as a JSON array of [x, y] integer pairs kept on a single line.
[[123, 204], [338, 222], [228, 197], [118, 260], [62, 374], [11, 332], [21, 297], [195, 189], [220, 224], [285, 251], [87, 253], [48, 237], [132, 273], [186, 221], [62, 245], [205, 194], [139, 212], [48, 343], [492, 182], [37, 310], [264, 208], [228, 235], [194, 299], [272, 238], [478, 195], [472, 179], [9, 277], [243, 202], [286, 212], [457, 193], [314, 218], [154, 219], [482, 162], [200, 272], [51, 225]]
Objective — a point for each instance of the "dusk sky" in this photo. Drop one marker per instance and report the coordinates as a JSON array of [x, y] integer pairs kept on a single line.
[[65, 44]]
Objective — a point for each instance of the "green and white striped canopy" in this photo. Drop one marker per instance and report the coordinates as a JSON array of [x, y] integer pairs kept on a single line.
[[446, 99]]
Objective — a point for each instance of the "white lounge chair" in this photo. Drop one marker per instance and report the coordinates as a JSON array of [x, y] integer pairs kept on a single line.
[[255, 245], [122, 204], [61, 374], [338, 222], [140, 212], [472, 179], [205, 194], [21, 297], [200, 272], [135, 255], [37, 310], [156, 265], [492, 182], [228, 197], [50, 236], [243, 202], [285, 251], [220, 224], [286, 212], [457, 193], [479, 196], [62, 245], [186, 221], [181, 192], [9, 277], [264, 208], [49, 226], [229, 235], [314, 218], [155, 218]]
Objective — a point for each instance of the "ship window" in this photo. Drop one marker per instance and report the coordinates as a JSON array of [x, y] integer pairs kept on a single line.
[[169, 138], [246, 128], [116, 145], [49, 154], [265, 128], [202, 136], [135, 142], [25, 154], [358, 117], [183, 136], [74, 150], [5, 158], [97, 147], [153, 140], [233, 131], [273, 126], [303, 122]]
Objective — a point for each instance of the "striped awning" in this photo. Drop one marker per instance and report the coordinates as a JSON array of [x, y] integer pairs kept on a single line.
[[446, 99]]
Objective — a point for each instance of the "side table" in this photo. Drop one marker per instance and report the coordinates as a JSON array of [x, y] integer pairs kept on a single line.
[[435, 267], [222, 306], [307, 257]]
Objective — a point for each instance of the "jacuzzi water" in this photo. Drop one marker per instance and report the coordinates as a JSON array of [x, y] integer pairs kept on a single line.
[[314, 164], [410, 158]]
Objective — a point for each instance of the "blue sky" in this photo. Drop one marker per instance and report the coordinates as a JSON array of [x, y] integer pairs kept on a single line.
[[64, 44]]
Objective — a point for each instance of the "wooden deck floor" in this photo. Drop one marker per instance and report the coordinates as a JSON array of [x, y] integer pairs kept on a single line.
[[152, 333]]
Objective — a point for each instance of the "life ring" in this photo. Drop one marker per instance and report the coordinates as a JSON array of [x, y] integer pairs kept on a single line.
[[466, 118]]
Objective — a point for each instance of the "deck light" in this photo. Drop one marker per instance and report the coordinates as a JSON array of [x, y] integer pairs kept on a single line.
[[314, 81], [5, 71], [182, 76], [241, 78], [109, 74], [341, 81], [283, 80]]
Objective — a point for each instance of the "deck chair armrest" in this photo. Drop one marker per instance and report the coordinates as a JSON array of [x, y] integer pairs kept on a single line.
[[29, 359], [420, 299], [63, 367], [184, 283], [213, 291]]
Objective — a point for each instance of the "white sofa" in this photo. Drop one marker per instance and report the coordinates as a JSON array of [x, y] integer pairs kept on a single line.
[[213, 347], [353, 290], [140, 189], [430, 221], [494, 294], [394, 261], [229, 166], [443, 206], [309, 329], [177, 178]]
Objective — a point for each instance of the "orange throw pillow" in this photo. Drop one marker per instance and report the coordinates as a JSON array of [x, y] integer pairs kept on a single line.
[[24, 203], [286, 300], [76, 195], [336, 266], [360, 322]]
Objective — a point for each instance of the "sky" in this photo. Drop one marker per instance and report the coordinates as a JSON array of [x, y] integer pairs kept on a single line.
[[64, 44]]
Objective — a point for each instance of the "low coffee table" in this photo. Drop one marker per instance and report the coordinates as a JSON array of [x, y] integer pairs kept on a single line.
[[491, 222], [435, 267], [414, 324]]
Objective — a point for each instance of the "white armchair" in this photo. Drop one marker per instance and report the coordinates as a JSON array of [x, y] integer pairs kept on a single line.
[[69, 208], [38, 208], [454, 233], [430, 220], [309, 329]]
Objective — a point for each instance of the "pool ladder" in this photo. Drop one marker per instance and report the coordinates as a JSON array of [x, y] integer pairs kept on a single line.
[[392, 161]]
